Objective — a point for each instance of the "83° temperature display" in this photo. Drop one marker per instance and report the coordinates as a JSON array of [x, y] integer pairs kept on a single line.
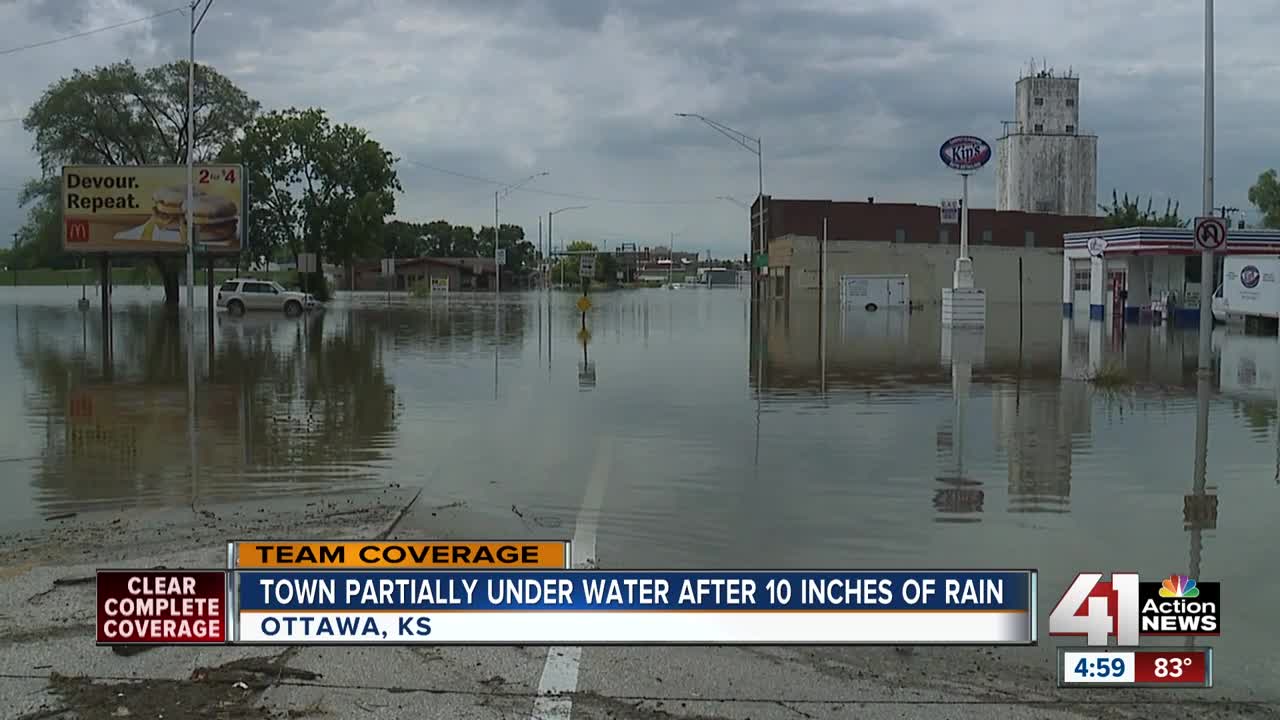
[[1123, 667]]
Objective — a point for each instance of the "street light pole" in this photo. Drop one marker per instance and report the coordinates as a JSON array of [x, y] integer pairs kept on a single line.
[[551, 215], [497, 266], [747, 142], [191, 246], [1207, 277], [191, 121], [503, 192]]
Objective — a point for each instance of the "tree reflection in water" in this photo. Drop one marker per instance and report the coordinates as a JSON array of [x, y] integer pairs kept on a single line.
[[303, 404]]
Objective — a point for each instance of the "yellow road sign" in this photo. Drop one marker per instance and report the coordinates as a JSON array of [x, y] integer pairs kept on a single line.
[[584, 304], [584, 336]]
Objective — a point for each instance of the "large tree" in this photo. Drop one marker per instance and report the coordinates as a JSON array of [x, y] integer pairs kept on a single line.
[[1265, 195], [1129, 213], [521, 254], [315, 186], [119, 115]]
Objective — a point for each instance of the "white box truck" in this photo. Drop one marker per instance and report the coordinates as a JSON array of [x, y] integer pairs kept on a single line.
[[1250, 289], [873, 292]]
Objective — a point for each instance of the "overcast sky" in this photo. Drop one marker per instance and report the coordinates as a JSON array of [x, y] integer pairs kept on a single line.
[[852, 98]]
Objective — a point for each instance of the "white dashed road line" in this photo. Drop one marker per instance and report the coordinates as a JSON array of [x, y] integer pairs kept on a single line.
[[560, 673]]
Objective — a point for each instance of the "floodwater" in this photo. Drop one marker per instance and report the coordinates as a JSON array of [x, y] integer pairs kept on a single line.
[[855, 440]]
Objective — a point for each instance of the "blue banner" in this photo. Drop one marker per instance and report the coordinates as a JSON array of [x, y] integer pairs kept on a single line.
[[621, 590]]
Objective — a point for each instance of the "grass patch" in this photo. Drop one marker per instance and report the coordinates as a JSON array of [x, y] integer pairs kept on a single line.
[[1111, 376]]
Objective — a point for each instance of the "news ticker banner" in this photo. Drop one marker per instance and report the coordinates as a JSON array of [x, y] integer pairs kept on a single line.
[[633, 607], [1190, 667], [368, 593]]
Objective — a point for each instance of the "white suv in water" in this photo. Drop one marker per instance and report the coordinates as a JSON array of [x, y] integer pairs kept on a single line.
[[243, 294]]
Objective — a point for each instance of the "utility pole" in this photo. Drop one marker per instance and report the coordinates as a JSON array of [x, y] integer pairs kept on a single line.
[[13, 261], [497, 194]]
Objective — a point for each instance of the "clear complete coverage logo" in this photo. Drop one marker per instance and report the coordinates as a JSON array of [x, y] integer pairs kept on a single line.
[[1126, 608]]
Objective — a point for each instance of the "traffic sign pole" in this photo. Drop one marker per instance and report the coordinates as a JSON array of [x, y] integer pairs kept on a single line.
[[1206, 256], [1210, 237]]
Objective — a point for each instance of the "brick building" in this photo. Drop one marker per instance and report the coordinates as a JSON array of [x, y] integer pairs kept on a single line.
[[463, 274], [910, 223], [905, 238]]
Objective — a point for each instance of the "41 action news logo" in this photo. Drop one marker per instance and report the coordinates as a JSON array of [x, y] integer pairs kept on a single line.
[[1126, 608]]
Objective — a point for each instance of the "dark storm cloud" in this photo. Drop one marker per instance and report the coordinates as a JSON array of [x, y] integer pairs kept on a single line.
[[851, 98]]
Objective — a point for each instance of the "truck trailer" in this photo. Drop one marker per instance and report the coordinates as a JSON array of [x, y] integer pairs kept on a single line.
[[873, 292], [1249, 291]]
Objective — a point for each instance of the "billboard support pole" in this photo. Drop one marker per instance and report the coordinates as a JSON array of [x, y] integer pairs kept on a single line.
[[209, 284], [104, 273]]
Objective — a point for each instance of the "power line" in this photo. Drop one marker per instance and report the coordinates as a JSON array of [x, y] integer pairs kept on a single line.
[[92, 31], [552, 193]]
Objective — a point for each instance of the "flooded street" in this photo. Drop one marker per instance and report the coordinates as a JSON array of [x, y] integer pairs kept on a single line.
[[825, 439]]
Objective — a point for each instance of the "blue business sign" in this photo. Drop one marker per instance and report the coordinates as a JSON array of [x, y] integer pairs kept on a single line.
[[965, 153]]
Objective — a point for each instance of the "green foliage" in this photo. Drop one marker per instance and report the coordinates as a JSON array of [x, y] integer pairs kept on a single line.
[[1111, 376], [606, 264], [566, 271], [315, 186], [318, 285], [118, 115], [521, 254], [438, 238], [607, 269], [138, 118], [1265, 195], [1127, 213], [39, 241]]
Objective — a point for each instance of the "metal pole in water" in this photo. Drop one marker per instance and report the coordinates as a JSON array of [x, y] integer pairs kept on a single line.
[[1206, 257], [497, 269], [822, 305]]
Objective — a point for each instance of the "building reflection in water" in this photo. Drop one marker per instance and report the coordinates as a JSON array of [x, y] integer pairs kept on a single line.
[[1038, 418]]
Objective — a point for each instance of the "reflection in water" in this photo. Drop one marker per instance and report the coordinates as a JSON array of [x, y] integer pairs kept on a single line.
[[961, 497], [740, 436], [286, 403]]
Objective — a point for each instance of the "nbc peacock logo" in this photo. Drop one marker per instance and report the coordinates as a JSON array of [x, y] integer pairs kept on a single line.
[[1179, 586]]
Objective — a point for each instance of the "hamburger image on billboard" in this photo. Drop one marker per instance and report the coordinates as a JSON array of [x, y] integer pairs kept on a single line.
[[143, 208]]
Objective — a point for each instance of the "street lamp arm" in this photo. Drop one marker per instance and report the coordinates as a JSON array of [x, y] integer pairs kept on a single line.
[[746, 141], [207, 4], [505, 191], [574, 207]]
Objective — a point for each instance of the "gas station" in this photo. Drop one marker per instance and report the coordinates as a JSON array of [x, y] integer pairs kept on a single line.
[[1146, 272]]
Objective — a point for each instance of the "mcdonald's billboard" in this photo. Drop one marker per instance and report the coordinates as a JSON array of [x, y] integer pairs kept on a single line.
[[143, 208]]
